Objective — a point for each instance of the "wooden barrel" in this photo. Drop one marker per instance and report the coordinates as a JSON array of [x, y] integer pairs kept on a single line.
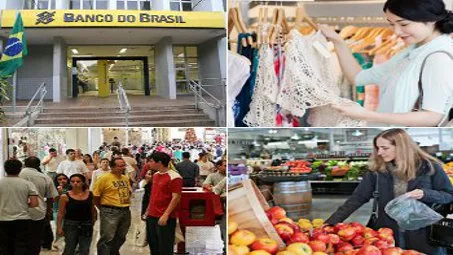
[[294, 197]]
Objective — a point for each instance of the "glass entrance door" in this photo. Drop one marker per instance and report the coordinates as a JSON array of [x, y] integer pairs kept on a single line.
[[102, 76]]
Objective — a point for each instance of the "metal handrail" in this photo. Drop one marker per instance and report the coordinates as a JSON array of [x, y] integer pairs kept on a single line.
[[42, 91], [198, 91], [124, 103]]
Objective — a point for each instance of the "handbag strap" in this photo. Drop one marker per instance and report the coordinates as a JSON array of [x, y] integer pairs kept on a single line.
[[376, 196], [418, 104]]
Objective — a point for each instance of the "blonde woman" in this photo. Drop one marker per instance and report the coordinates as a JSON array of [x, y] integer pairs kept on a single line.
[[400, 167]]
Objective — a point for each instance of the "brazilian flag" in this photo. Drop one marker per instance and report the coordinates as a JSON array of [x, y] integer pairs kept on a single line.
[[16, 48]]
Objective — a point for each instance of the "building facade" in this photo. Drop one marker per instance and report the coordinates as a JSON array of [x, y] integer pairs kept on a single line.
[[88, 47]]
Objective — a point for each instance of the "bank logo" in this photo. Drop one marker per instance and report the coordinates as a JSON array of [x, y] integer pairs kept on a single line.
[[45, 18]]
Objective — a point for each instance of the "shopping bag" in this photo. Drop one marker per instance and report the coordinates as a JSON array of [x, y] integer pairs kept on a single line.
[[411, 214], [140, 234]]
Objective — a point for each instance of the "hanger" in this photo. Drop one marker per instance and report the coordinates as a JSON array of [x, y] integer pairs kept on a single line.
[[348, 31], [301, 15], [273, 29]]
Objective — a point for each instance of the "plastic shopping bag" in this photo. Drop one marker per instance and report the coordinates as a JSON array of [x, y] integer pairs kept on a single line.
[[410, 214]]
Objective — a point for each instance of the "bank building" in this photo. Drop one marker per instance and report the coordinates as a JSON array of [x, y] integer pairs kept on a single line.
[[164, 60]]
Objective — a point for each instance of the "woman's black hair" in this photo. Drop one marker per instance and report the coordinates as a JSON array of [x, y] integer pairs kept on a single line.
[[56, 179], [91, 159], [84, 181], [423, 11]]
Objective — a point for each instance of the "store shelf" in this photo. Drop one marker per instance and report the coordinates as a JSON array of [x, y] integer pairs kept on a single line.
[[334, 182], [334, 187]]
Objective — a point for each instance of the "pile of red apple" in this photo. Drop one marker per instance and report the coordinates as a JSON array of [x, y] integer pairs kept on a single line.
[[343, 238]]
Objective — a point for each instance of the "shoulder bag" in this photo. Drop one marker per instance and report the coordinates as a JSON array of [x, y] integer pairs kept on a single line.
[[448, 121], [372, 222]]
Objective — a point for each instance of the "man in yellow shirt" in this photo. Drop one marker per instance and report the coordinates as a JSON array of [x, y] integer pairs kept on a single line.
[[112, 193]]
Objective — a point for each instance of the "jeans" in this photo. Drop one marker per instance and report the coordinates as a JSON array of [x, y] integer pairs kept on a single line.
[[47, 238], [15, 237], [161, 239], [115, 223], [77, 232], [37, 227]]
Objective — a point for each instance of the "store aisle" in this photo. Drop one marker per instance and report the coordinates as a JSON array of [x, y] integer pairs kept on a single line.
[[128, 247]]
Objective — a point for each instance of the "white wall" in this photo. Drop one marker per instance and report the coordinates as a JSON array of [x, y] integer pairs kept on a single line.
[[77, 138]]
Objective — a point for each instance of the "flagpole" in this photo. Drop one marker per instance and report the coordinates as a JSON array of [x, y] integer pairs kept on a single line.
[[14, 92]]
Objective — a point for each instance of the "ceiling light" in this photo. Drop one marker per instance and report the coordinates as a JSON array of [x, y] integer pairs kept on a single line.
[[123, 50], [75, 51], [295, 137]]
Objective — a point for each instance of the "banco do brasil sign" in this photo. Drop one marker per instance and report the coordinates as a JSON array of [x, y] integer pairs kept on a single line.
[[114, 18]]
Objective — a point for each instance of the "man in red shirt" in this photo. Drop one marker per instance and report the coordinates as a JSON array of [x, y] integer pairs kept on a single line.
[[161, 213]]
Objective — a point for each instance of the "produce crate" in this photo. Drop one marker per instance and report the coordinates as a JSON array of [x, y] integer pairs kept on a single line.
[[246, 206]]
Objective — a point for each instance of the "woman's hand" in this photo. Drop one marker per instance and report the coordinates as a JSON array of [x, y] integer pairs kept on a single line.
[[416, 193], [351, 109], [330, 34]]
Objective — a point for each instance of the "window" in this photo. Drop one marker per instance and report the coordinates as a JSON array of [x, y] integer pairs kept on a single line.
[[133, 4], [88, 4], [40, 4], [181, 5]]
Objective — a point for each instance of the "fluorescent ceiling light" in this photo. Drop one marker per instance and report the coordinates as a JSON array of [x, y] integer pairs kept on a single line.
[[75, 51], [123, 50], [357, 133]]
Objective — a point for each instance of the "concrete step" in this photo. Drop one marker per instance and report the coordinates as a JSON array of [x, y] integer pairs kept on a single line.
[[91, 109], [163, 123], [82, 114], [111, 118]]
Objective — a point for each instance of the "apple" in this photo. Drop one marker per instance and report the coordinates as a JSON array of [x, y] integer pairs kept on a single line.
[[410, 252], [242, 237], [317, 245], [299, 237], [347, 233], [358, 240], [288, 220], [277, 212], [392, 251], [284, 231], [381, 245], [232, 227], [359, 228], [370, 241], [369, 233], [295, 227], [239, 249], [340, 226], [386, 231], [265, 244], [325, 238], [300, 248], [285, 253], [369, 250], [259, 252], [334, 239], [387, 238], [345, 247], [328, 229]]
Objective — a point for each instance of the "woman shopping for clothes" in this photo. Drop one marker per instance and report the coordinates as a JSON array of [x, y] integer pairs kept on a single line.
[[76, 216], [424, 26], [400, 167]]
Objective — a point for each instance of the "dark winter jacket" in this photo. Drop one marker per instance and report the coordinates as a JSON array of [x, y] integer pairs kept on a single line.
[[436, 187]]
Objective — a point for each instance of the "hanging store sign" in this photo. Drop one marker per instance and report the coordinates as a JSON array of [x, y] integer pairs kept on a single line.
[[114, 18]]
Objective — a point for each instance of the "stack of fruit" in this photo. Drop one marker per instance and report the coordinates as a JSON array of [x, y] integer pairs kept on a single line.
[[448, 168], [313, 237], [299, 166]]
